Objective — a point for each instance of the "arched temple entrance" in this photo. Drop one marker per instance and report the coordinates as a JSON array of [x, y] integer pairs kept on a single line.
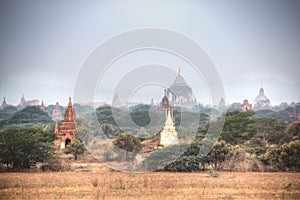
[[67, 142]]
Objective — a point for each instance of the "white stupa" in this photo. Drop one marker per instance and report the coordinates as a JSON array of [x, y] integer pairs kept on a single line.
[[169, 135], [261, 102]]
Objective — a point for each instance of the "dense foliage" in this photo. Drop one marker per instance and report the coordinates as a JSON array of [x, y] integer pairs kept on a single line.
[[249, 141], [163, 157], [286, 157], [29, 117], [22, 148], [245, 144], [129, 143], [75, 148]]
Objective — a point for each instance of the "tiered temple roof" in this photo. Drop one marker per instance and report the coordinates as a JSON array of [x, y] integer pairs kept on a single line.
[[169, 135], [261, 101], [179, 92], [65, 132], [56, 112]]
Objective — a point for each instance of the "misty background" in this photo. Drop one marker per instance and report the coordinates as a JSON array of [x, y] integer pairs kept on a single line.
[[43, 44]]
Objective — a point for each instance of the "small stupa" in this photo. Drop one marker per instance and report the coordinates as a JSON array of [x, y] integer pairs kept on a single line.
[[169, 135]]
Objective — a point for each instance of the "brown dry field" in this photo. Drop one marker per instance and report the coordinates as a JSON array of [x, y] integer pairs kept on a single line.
[[156, 185]]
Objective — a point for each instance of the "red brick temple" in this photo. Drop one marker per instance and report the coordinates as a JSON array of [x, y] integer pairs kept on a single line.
[[65, 132], [246, 106]]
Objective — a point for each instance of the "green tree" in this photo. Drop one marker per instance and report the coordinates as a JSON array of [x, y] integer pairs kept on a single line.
[[105, 115], [7, 112], [30, 115], [235, 130], [266, 132], [285, 157], [84, 134], [292, 131], [219, 153], [75, 148], [107, 130], [185, 164], [23, 148], [161, 158], [141, 118], [128, 142]]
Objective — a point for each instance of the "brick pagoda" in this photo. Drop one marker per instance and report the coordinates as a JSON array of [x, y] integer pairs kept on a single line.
[[65, 132]]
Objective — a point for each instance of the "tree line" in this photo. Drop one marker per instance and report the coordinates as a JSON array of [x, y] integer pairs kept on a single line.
[[246, 143]]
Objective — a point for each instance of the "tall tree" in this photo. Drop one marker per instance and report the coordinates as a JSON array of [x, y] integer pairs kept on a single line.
[[219, 153], [235, 130], [266, 132], [285, 157], [292, 131], [75, 148], [23, 148]]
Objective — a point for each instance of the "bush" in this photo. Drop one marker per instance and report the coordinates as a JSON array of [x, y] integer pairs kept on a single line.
[[213, 173], [286, 157], [157, 160], [184, 164]]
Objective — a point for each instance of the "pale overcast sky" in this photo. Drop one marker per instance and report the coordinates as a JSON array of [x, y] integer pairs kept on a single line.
[[43, 44]]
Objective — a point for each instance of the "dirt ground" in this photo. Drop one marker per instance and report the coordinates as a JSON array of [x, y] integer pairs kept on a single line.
[[155, 185]]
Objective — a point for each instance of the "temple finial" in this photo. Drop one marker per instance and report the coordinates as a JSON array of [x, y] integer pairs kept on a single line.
[[179, 72], [261, 84]]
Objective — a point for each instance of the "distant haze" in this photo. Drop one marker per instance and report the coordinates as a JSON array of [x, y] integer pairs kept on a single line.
[[44, 44]]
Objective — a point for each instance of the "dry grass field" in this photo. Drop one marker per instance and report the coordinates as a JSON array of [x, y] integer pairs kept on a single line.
[[156, 185]]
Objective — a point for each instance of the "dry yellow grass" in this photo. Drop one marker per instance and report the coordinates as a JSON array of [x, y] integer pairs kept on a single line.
[[157, 185]]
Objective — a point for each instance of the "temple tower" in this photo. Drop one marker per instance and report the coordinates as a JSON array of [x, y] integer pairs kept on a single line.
[[43, 106], [56, 115], [261, 101], [22, 99], [294, 116], [169, 135], [165, 101], [246, 106], [116, 101], [65, 132], [4, 104], [179, 92]]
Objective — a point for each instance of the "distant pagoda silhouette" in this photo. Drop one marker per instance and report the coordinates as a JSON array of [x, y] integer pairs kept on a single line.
[[56, 115], [179, 92], [4, 104], [294, 116], [261, 101]]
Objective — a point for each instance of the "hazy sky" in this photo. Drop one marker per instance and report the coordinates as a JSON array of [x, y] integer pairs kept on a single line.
[[43, 44]]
